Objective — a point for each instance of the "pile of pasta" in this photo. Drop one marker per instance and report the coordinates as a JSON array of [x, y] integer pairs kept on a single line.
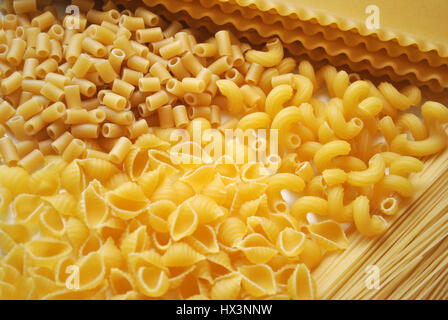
[[93, 204]]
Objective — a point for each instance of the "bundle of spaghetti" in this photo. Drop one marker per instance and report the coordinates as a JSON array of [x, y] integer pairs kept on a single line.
[[411, 255], [433, 74]]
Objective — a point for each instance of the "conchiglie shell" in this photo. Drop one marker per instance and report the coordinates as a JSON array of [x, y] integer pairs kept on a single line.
[[257, 248], [64, 203], [329, 235], [92, 244], [77, 232], [181, 255], [93, 207], [227, 169], [62, 270], [7, 291], [51, 223], [99, 169], [112, 228], [116, 180], [91, 271], [18, 232], [166, 191], [6, 242], [151, 141], [182, 222], [311, 254], [203, 271], [283, 274], [283, 220], [46, 252], [26, 209], [136, 241], [220, 263], [300, 284], [216, 190], [73, 179], [5, 199], [226, 289], [112, 256], [290, 242], [254, 172], [158, 213], [136, 162], [204, 240], [148, 181], [43, 285], [46, 181], [199, 178], [152, 282], [120, 282], [231, 231], [148, 258], [258, 280], [127, 201], [178, 275], [257, 207], [162, 241], [17, 258], [265, 227], [15, 179], [246, 192], [158, 158], [206, 208]]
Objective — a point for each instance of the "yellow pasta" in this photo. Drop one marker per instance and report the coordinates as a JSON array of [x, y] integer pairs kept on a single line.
[[121, 157]]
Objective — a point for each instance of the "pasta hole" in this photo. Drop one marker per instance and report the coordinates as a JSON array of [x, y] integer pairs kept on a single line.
[[154, 20], [191, 112], [189, 98], [3, 48], [51, 133], [114, 14], [40, 72], [358, 122], [231, 74], [58, 30], [90, 91], [19, 32], [106, 130], [173, 62], [13, 61], [101, 52], [388, 204], [280, 207], [93, 31], [138, 35], [228, 60], [118, 53], [29, 128], [171, 84], [199, 50]]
